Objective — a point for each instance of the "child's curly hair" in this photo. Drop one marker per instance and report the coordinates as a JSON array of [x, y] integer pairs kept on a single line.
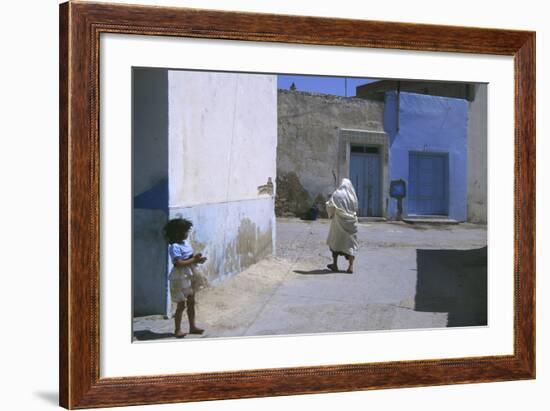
[[176, 229]]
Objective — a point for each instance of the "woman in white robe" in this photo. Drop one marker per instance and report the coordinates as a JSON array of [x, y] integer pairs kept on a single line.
[[342, 236]]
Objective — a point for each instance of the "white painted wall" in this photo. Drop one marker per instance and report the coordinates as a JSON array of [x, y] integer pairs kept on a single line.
[[222, 147], [213, 136], [223, 136]]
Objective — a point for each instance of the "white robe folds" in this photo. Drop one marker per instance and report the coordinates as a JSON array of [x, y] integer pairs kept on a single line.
[[342, 210]]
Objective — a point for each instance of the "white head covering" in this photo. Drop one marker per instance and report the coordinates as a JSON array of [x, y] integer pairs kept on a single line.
[[345, 198]]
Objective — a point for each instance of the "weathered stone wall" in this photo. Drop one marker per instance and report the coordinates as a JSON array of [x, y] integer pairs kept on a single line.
[[308, 145]]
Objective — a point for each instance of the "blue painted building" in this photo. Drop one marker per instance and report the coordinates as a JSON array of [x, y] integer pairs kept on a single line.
[[428, 150], [436, 143]]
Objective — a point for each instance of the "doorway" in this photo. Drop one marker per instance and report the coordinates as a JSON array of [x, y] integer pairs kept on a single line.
[[428, 184], [365, 176]]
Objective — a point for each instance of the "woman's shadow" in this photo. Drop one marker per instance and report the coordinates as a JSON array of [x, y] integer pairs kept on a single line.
[[145, 335], [318, 271]]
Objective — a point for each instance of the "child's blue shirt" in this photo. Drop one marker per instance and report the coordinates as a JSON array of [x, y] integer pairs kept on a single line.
[[180, 251]]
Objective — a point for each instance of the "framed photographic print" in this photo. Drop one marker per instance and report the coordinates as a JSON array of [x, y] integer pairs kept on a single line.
[[257, 205]]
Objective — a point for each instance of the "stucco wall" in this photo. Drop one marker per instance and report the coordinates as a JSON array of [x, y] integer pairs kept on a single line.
[[222, 150], [223, 136], [477, 156], [204, 147], [426, 123], [149, 186], [233, 235], [308, 144]]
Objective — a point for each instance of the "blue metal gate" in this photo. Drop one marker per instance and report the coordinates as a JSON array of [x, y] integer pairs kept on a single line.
[[365, 176], [428, 184]]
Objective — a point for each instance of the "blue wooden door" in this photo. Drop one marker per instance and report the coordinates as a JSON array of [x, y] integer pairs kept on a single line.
[[365, 176], [428, 184]]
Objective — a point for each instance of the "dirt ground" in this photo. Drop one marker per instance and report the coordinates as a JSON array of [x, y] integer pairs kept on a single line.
[[406, 276]]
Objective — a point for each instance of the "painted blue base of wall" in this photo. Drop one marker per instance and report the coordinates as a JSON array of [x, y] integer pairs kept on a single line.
[[232, 235]]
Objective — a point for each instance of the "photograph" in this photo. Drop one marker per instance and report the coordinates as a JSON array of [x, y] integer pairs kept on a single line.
[[276, 204]]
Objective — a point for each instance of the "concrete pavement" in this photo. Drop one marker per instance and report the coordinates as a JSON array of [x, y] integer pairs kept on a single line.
[[406, 276]]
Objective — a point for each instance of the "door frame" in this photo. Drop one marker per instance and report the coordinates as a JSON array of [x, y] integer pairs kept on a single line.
[[348, 137]]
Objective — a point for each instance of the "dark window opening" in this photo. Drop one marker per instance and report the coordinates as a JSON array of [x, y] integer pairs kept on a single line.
[[364, 149]]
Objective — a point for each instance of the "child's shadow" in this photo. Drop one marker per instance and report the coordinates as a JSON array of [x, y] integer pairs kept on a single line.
[[143, 335]]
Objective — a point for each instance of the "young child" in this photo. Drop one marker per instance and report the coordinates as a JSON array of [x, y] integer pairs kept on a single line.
[[183, 278]]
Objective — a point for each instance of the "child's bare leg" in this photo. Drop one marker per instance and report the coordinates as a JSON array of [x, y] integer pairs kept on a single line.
[[177, 320], [193, 329], [334, 265], [351, 259]]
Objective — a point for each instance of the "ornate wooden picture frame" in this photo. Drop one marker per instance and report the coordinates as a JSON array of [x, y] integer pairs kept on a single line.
[[81, 25]]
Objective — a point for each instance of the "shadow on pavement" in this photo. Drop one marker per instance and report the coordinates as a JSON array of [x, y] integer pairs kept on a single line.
[[319, 271], [143, 335], [453, 281]]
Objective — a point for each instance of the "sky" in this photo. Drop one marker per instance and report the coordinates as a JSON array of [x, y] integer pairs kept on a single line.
[[321, 84]]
